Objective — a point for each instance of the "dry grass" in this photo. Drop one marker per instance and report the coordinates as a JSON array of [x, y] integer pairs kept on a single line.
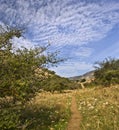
[[48, 111], [99, 108]]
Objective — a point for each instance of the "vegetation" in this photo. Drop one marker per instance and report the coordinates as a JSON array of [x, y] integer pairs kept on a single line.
[[24, 80], [99, 108], [18, 75], [57, 83], [107, 72], [83, 80], [45, 112], [21, 74]]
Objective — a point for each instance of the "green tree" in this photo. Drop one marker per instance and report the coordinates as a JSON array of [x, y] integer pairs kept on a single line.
[[21, 74], [107, 72], [18, 69]]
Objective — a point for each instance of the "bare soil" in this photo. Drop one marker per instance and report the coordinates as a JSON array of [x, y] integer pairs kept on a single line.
[[74, 122]]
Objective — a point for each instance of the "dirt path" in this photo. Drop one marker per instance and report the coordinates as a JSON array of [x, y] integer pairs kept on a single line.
[[74, 122]]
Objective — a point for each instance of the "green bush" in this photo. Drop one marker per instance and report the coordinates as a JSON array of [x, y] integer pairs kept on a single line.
[[9, 119], [19, 79], [108, 72], [83, 80]]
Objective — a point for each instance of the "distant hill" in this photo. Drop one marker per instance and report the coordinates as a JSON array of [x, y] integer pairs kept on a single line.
[[89, 75]]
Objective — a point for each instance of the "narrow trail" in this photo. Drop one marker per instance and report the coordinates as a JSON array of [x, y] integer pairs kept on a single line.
[[74, 122]]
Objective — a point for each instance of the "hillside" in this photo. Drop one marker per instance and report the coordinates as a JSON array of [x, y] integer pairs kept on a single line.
[[88, 75]]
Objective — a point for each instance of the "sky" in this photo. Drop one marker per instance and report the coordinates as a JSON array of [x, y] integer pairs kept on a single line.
[[84, 31]]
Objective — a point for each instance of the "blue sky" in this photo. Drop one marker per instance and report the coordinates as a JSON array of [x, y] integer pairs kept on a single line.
[[84, 31]]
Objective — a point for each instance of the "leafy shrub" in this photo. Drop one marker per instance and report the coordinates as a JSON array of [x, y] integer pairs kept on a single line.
[[9, 119], [83, 80], [107, 73]]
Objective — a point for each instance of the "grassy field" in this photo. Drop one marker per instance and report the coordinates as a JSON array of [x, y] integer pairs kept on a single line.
[[99, 108], [48, 112]]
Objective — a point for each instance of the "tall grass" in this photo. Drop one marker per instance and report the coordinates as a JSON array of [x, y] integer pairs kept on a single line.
[[46, 111], [99, 108]]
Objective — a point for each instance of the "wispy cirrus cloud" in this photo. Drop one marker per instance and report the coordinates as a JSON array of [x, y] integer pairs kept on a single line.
[[62, 23], [83, 51], [21, 42]]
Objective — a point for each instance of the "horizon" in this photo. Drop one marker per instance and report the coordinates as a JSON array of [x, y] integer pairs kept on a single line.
[[83, 31]]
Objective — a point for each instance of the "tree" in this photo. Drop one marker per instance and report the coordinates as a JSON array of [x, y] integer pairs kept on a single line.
[[18, 69], [107, 72], [21, 74]]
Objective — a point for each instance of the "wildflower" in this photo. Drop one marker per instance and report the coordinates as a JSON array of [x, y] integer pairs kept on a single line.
[[106, 103], [112, 107], [53, 121], [88, 125], [91, 107], [79, 108], [56, 112]]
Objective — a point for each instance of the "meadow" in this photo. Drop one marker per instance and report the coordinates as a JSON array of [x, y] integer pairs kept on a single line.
[[46, 111], [99, 108], [51, 111]]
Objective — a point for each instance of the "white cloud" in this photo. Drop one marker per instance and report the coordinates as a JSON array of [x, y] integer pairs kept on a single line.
[[83, 51], [72, 69], [21, 42], [62, 23], [81, 23]]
